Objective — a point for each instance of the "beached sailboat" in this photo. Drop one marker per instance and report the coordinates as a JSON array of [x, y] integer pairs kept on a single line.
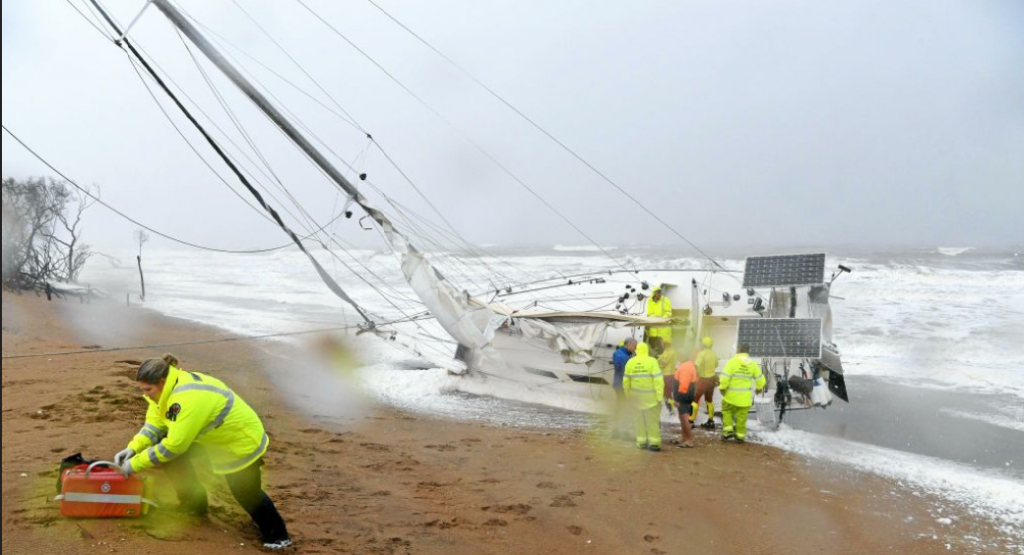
[[779, 305]]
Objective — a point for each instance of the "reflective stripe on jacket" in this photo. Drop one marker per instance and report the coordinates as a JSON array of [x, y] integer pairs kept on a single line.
[[741, 379], [644, 383], [199, 410]]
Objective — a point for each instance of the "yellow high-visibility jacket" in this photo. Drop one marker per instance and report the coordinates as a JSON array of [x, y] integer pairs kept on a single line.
[[668, 361], [644, 383], [707, 364], [741, 379], [660, 309], [197, 409]]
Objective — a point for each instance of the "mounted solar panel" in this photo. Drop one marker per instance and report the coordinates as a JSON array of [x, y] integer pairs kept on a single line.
[[782, 338], [785, 271]]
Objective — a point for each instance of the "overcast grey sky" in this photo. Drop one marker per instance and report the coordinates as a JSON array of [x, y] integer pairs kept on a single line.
[[864, 122]]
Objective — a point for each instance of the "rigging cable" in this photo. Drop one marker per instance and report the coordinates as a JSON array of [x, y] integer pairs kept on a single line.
[[465, 137], [406, 319], [236, 122], [470, 249], [386, 155], [90, 20], [372, 140], [548, 134], [189, 143], [240, 128], [325, 277], [299, 122], [131, 220], [298, 65], [203, 159]]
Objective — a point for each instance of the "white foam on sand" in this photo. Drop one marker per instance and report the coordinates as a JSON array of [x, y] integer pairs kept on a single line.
[[998, 499]]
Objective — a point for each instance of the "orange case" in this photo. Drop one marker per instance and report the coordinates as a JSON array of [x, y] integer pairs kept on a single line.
[[101, 491]]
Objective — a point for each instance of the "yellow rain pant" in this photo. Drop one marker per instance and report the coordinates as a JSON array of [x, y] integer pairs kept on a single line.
[[735, 419], [648, 427]]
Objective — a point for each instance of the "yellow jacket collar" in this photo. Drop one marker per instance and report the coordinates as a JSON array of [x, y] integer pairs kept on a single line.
[[172, 380]]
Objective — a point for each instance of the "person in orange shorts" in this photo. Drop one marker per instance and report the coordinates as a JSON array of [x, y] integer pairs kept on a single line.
[[686, 399]]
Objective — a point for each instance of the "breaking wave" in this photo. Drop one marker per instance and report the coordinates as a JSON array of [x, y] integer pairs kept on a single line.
[[955, 251]]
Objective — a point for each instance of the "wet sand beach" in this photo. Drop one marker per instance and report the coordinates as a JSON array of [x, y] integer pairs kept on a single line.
[[390, 482]]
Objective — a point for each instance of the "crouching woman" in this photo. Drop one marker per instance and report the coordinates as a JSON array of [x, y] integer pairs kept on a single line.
[[187, 410]]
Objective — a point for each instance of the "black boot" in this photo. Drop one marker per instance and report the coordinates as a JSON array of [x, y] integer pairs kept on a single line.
[[273, 531]]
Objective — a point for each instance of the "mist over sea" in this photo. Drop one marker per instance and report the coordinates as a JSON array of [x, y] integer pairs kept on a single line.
[[931, 340]]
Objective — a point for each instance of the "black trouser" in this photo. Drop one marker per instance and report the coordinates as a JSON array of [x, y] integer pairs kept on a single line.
[[246, 486]]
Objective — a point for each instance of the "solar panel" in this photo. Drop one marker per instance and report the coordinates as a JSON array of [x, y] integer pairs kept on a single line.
[[782, 338], [785, 271]]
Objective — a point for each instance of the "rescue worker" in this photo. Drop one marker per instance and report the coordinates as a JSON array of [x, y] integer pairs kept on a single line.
[[645, 388], [668, 361], [659, 306], [189, 410], [741, 379], [685, 397], [707, 375], [621, 358]]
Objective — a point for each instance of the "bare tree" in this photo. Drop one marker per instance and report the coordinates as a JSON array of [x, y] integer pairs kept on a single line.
[[66, 239], [141, 238], [42, 233]]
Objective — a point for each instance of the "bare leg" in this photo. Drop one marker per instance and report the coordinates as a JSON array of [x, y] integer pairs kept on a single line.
[[687, 427]]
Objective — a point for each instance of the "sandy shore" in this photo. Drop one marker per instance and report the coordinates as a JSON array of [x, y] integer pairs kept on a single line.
[[395, 483]]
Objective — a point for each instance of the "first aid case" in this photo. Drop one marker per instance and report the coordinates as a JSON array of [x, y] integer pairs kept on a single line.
[[101, 490]]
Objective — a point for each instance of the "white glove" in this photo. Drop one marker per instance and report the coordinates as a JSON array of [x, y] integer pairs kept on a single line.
[[124, 456], [127, 469]]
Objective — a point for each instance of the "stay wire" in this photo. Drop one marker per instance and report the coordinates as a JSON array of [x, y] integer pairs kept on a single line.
[[297, 64], [325, 277], [229, 112], [340, 107], [305, 214], [470, 248], [465, 137], [130, 219], [194, 149], [348, 119], [240, 127], [405, 319], [548, 134], [90, 21], [306, 128], [225, 135], [215, 172]]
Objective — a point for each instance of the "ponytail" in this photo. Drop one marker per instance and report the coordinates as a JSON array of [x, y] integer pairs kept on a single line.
[[154, 370]]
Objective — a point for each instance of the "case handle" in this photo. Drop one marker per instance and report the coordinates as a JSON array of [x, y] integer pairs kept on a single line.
[[89, 470]]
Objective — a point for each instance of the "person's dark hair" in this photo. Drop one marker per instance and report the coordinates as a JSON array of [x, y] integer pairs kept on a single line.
[[744, 349], [156, 369]]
